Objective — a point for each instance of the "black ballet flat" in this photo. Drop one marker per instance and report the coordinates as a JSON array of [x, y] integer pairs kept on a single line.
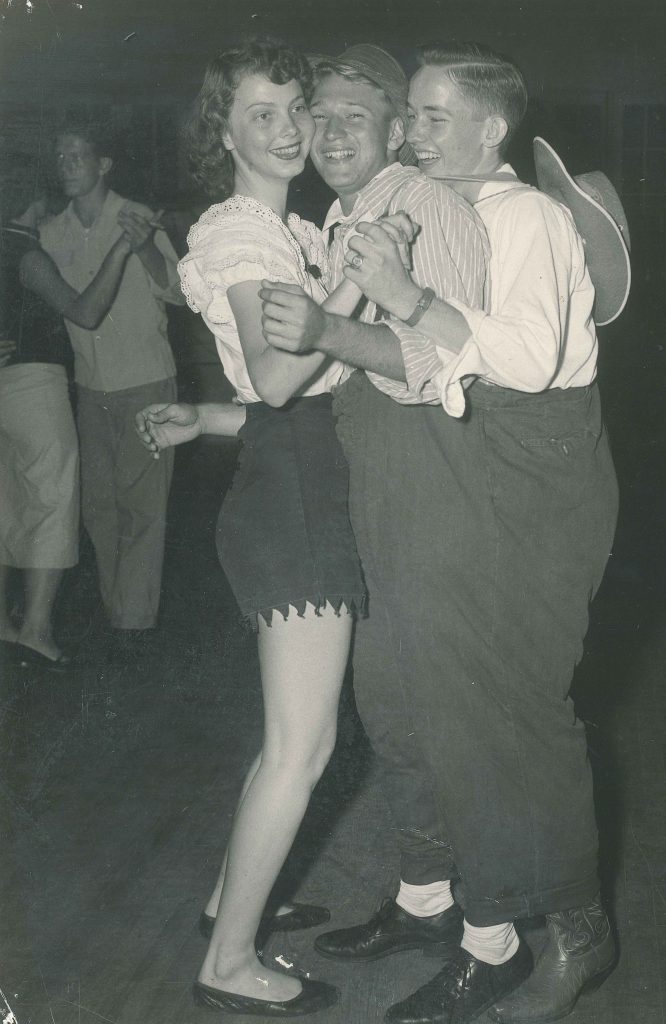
[[314, 996], [27, 656], [299, 916]]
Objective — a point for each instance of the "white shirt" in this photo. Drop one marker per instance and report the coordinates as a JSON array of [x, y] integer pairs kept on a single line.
[[244, 240], [539, 330], [130, 346]]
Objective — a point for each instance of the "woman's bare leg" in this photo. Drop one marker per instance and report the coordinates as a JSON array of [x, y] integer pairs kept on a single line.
[[303, 663], [214, 901]]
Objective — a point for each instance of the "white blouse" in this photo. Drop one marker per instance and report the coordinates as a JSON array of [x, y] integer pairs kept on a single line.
[[244, 240]]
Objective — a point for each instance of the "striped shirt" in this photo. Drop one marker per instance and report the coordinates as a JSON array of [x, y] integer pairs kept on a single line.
[[449, 255]]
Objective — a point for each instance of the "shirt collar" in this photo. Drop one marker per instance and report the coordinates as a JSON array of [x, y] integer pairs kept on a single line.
[[492, 188], [110, 208], [371, 200]]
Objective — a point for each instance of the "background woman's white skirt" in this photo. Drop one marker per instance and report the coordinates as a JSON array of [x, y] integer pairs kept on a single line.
[[39, 469]]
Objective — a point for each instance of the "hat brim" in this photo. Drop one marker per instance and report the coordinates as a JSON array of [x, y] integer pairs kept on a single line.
[[606, 251]]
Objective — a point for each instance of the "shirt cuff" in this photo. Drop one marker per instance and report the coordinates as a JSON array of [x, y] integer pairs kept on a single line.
[[458, 368], [421, 361]]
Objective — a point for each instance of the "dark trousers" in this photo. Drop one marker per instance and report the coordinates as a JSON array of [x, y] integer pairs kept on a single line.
[[484, 540], [124, 494]]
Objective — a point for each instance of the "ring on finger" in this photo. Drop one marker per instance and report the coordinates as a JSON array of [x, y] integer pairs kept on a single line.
[[357, 260]]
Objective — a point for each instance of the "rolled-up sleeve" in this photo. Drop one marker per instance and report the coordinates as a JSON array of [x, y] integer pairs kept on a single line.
[[422, 369]]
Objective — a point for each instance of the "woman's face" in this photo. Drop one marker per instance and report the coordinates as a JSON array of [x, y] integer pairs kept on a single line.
[[270, 129]]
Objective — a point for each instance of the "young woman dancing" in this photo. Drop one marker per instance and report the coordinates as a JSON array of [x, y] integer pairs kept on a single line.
[[284, 537]]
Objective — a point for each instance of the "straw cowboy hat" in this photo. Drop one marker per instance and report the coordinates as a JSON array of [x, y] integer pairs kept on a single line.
[[601, 223]]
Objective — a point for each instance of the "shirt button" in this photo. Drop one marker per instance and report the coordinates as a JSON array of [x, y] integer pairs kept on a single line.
[[98, 337]]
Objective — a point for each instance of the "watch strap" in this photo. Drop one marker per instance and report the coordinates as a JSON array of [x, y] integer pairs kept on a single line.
[[427, 295]]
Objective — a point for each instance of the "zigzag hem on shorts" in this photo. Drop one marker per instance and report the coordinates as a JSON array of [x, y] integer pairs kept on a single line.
[[355, 605]]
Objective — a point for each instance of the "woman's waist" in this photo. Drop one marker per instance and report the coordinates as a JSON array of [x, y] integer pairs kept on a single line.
[[333, 375], [302, 406]]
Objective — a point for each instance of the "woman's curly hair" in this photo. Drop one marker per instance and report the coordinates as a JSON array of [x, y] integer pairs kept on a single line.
[[211, 165]]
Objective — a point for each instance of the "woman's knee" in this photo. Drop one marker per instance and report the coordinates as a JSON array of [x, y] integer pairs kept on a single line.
[[304, 762]]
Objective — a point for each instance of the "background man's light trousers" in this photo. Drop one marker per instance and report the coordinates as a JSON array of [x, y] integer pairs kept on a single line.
[[124, 496]]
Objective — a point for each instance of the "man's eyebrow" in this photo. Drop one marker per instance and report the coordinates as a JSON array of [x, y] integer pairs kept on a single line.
[[343, 103]]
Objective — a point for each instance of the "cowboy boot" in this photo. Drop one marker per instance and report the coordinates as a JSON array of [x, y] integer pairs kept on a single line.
[[578, 956]]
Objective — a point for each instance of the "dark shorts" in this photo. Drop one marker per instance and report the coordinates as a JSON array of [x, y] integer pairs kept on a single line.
[[283, 535]]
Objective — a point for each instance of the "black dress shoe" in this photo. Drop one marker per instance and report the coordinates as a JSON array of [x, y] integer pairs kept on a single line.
[[27, 656], [578, 956], [299, 916], [462, 990], [315, 995], [391, 930]]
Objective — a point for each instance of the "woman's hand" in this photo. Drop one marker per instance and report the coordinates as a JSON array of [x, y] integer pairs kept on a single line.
[[375, 263], [161, 426]]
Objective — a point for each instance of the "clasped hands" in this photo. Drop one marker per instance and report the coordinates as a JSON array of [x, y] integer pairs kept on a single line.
[[137, 229], [377, 261]]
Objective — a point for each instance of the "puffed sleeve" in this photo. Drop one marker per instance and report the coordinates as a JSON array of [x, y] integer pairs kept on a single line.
[[228, 251]]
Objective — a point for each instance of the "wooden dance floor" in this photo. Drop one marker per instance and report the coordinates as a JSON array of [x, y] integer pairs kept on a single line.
[[119, 783]]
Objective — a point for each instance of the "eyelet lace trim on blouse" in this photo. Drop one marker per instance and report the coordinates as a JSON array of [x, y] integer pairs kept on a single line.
[[302, 237]]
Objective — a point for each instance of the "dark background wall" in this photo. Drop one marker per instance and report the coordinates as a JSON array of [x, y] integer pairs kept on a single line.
[[596, 73]]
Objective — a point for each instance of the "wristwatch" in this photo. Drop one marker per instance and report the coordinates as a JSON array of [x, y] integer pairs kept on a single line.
[[427, 295]]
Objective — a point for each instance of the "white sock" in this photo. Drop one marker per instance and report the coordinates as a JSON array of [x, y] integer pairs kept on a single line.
[[494, 945], [425, 900]]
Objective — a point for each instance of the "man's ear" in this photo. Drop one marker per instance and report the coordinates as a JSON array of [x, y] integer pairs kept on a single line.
[[105, 165], [496, 131], [396, 134]]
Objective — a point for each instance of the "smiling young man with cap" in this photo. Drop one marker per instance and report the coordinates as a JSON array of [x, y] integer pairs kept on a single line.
[[393, 449], [530, 501], [529, 474]]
